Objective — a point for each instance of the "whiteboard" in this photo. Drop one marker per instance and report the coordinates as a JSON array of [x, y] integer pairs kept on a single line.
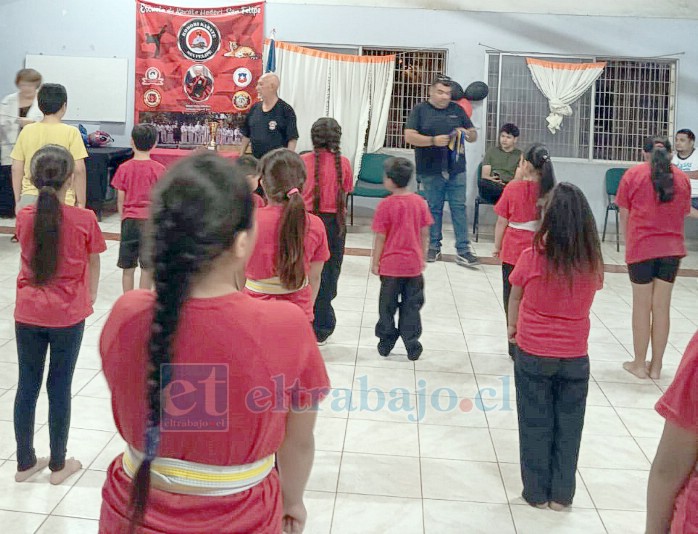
[[97, 87]]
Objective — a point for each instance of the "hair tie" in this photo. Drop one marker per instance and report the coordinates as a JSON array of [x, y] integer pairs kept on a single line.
[[293, 191], [49, 189]]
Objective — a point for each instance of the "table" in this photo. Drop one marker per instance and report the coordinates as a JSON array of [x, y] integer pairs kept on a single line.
[[100, 166], [168, 156]]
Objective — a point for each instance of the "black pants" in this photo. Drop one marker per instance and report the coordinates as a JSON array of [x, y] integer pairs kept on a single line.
[[489, 190], [551, 398], [506, 287], [7, 196], [407, 295], [32, 345], [325, 319]]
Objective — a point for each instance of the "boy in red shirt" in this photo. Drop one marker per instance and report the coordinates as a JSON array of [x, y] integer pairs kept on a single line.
[[401, 224], [134, 180]]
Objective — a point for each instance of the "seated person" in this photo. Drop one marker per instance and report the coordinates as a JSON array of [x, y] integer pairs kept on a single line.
[[499, 164], [686, 159]]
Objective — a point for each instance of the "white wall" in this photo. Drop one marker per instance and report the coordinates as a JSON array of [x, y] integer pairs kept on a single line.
[[88, 28]]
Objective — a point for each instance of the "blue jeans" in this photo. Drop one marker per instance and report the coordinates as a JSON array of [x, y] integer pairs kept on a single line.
[[32, 344], [437, 190]]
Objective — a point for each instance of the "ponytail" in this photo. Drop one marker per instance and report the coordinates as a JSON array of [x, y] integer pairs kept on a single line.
[[539, 157], [290, 254], [662, 177], [50, 168], [197, 213]]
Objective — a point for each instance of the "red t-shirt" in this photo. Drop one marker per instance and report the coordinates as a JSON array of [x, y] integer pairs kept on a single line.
[[553, 318], [267, 345], [258, 201], [65, 300], [679, 404], [518, 204], [655, 229], [136, 179], [328, 180], [401, 218], [262, 263]]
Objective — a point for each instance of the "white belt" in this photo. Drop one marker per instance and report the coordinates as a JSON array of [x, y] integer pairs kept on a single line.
[[191, 478], [529, 226]]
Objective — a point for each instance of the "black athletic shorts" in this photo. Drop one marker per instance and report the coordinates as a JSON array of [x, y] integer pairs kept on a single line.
[[132, 231], [662, 268]]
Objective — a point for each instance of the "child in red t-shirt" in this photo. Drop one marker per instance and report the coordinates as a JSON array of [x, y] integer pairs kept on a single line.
[[672, 492], [553, 287], [329, 181], [56, 288], [291, 246], [248, 165], [519, 210], [134, 180], [654, 199], [401, 224], [197, 329]]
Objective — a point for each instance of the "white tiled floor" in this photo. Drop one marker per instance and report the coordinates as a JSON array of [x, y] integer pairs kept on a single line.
[[412, 465]]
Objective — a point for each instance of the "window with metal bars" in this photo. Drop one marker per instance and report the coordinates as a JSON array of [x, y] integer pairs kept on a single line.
[[633, 99], [414, 72]]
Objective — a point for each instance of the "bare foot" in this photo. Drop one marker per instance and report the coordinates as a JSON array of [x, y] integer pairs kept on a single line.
[[654, 371], [558, 507], [71, 467], [542, 506], [639, 371], [21, 476]]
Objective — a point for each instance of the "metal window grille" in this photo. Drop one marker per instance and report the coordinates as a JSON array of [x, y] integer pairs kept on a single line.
[[634, 99], [414, 72], [519, 100], [631, 100]]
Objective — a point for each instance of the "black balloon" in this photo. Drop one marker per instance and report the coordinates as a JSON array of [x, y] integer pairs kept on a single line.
[[456, 91], [476, 91]]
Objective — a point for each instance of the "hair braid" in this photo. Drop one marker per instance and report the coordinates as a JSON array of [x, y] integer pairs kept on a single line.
[[197, 212], [316, 188], [341, 200]]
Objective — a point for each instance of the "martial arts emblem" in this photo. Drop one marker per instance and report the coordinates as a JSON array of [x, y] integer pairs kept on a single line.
[[242, 100], [199, 40], [242, 77], [152, 98], [198, 83], [152, 77], [272, 126]]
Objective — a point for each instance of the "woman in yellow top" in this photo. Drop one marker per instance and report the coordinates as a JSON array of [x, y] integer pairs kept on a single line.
[[53, 100]]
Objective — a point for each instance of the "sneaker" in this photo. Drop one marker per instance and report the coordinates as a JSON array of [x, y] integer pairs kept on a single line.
[[415, 351], [433, 255], [385, 346], [467, 258]]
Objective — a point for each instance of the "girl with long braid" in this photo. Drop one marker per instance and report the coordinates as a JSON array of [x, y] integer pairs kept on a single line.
[[56, 288], [216, 441], [329, 181], [291, 244]]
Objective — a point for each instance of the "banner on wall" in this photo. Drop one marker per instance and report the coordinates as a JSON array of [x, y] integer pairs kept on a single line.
[[195, 65]]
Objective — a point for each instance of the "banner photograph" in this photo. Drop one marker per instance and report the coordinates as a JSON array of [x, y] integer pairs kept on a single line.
[[197, 65]]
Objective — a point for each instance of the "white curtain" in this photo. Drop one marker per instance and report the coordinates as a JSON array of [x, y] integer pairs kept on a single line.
[[562, 84], [381, 93], [354, 90], [309, 100]]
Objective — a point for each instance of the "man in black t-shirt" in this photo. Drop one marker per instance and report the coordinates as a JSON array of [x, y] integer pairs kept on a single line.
[[270, 123], [436, 128]]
